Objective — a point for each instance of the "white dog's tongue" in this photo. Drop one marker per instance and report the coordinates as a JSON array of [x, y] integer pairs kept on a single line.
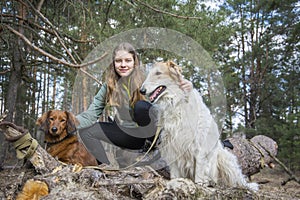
[[154, 95]]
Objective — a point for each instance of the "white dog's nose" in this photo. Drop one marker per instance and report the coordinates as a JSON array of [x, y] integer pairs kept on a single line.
[[143, 90]]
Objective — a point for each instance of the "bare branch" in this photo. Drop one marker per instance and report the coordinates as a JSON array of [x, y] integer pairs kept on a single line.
[[91, 76], [5, 71], [39, 6], [60, 61], [54, 30], [292, 177], [4, 15], [106, 14], [66, 49], [123, 182], [165, 12]]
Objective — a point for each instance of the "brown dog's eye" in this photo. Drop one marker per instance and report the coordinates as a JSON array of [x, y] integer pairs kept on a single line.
[[63, 120], [51, 118]]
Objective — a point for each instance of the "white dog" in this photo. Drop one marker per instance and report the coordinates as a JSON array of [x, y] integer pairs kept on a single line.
[[190, 137]]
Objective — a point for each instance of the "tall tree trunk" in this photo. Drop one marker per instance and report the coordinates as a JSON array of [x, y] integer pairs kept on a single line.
[[83, 51], [16, 69], [253, 81], [14, 83], [243, 66], [54, 91], [15, 78]]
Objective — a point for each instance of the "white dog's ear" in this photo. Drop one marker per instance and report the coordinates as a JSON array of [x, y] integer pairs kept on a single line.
[[177, 69]]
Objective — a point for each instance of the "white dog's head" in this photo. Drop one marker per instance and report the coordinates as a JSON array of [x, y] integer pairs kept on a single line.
[[163, 82]]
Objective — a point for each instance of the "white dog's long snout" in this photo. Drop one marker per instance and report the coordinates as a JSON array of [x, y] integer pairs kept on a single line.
[[143, 90]]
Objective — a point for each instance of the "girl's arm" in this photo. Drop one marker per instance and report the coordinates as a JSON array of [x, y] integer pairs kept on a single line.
[[92, 114]]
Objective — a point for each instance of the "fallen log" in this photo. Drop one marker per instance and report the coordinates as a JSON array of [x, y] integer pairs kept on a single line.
[[253, 154], [41, 160]]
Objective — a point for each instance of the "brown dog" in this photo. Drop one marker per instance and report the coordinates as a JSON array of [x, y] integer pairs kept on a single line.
[[62, 140]]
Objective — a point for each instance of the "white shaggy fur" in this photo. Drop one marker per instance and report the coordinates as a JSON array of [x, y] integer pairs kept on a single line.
[[190, 137]]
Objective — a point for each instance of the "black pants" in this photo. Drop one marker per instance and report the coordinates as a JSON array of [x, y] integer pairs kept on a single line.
[[113, 133]]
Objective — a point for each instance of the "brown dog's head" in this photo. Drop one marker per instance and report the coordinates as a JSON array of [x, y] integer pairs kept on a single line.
[[57, 124]]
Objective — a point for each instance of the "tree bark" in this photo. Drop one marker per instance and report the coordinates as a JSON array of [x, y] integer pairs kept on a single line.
[[251, 154]]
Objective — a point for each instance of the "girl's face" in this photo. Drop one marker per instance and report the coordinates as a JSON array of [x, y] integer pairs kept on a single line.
[[124, 63]]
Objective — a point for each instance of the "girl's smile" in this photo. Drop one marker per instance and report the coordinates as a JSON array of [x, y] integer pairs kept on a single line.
[[124, 63]]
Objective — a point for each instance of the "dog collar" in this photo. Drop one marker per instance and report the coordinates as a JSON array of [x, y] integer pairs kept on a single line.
[[67, 136]]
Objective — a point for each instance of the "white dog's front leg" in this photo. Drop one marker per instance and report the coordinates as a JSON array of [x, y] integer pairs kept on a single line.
[[206, 172], [198, 171], [175, 171], [200, 177]]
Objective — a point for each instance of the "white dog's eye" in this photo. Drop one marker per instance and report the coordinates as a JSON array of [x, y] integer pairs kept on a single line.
[[158, 73]]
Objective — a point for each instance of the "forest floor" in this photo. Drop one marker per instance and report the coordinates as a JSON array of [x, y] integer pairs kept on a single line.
[[269, 179], [270, 184]]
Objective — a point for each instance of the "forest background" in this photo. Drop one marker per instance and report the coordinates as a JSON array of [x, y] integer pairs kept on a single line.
[[255, 43]]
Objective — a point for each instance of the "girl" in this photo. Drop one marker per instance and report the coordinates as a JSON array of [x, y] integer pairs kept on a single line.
[[133, 117]]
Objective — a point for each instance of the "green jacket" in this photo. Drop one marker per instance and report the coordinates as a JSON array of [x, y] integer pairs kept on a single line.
[[123, 114]]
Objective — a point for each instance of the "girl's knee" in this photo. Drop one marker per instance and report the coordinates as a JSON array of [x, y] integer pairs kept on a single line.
[[142, 106], [141, 113]]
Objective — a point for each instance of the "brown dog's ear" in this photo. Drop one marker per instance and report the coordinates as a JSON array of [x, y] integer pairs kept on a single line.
[[175, 69], [72, 122], [43, 121]]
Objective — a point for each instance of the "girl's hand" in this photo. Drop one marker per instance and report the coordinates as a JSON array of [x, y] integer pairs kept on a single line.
[[186, 85]]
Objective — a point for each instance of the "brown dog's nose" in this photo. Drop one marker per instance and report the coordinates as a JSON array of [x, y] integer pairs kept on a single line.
[[54, 129], [143, 91]]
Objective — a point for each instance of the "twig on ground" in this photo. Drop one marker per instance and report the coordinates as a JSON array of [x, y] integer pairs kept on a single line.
[[288, 171]]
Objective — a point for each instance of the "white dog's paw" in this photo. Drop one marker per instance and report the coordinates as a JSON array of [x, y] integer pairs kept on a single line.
[[184, 185], [206, 183], [253, 186]]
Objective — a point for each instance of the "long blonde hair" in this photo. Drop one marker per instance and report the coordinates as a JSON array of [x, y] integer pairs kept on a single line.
[[114, 95]]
